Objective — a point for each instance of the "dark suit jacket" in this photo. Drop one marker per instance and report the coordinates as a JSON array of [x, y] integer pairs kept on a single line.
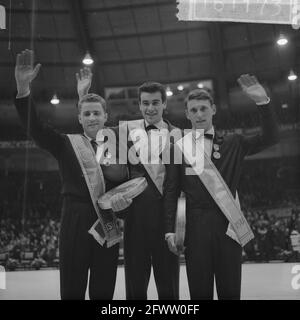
[[233, 149], [46, 137], [146, 211]]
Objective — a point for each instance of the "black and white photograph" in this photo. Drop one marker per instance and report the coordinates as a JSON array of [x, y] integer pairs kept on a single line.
[[150, 151]]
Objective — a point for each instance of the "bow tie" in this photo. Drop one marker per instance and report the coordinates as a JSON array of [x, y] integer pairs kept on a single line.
[[209, 136], [151, 127]]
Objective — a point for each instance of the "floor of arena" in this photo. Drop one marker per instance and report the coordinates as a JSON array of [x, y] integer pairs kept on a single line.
[[265, 281]]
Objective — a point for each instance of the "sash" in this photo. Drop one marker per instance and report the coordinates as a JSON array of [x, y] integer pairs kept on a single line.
[[230, 232], [157, 176], [218, 189], [105, 228]]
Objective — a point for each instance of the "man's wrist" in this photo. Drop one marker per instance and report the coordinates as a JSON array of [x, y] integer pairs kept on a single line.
[[22, 93], [82, 93]]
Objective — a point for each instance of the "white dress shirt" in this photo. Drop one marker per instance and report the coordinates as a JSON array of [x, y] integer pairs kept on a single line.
[[208, 143]]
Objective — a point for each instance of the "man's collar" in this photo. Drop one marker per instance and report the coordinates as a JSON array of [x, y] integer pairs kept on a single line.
[[99, 137], [159, 125], [89, 138], [211, 131]]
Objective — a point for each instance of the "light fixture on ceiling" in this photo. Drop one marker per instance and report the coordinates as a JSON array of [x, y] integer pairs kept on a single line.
[[282, 40], [169, 92], [55, 99], [292, 76], [180, 87], [200, 85], [87, 60]]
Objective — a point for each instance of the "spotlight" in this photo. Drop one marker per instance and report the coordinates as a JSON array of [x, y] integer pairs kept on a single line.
[[169, 92], [292, 76], [200, 85], [180, 87], [282, 40], [54, 100], [87, 60]]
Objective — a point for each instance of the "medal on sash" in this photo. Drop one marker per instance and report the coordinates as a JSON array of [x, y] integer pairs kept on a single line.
[[107, 157], [216, 155], [216, 147]]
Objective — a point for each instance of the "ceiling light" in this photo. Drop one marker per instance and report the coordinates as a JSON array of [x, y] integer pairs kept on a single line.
[[282, 40], [54, 100], [292, 76], [169, 92], [180, 87], [87, 60], [200, 85]]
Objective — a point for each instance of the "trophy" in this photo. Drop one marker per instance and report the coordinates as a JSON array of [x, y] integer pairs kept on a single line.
[[129, 190]]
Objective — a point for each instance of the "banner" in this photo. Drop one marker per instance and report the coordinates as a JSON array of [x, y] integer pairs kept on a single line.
[[255, 11], [25, 144]]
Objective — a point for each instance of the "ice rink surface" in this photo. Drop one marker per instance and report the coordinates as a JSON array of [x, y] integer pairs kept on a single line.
[[266, 281]]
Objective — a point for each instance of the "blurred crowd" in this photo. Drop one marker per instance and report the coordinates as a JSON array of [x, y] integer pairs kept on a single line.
[[30, 242], [270, 183], [30, 214], [272, 237], [32, 195], [33, 242], [29, 219]]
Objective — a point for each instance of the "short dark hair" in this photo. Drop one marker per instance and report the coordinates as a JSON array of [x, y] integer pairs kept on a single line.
[[151, 87], [199, 94], [92, 97]]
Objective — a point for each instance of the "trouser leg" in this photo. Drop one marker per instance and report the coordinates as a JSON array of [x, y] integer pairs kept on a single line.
[[103, 271]]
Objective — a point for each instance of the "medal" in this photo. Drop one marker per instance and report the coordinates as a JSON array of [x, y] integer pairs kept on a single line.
[[106, 160], [216, 155], [216, 147]]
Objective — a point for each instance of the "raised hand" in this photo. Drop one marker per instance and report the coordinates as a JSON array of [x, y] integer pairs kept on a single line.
[[253, 88], [84, 81], [25, 72]]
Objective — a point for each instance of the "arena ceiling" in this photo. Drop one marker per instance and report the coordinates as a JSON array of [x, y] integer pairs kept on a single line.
[[133, 41]]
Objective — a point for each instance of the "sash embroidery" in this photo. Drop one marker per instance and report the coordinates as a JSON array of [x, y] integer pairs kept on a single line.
[[218, 189], [107, 228]]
